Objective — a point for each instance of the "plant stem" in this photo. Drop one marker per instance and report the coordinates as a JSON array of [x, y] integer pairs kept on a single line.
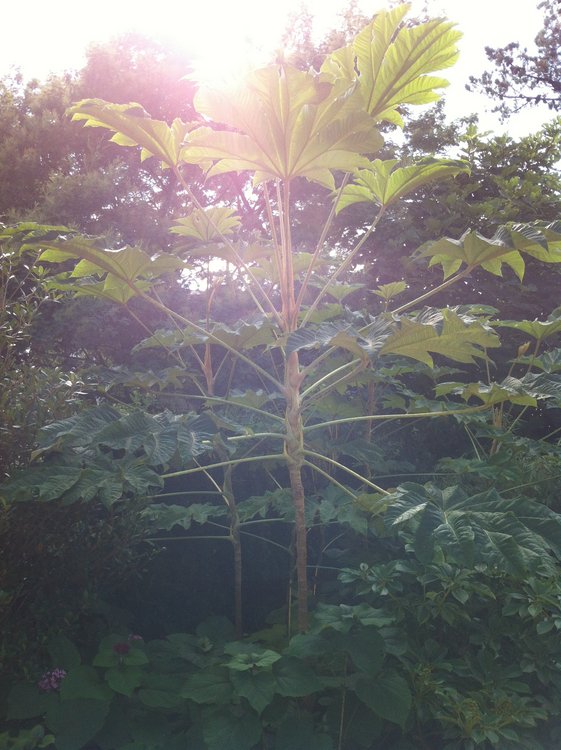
[[354, 474], [388, 417], [434, 290], [331, 479], [294, 452], [220, 464]]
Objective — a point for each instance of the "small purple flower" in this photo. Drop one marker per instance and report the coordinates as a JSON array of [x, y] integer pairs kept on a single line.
[[121, 648], [51, 681]]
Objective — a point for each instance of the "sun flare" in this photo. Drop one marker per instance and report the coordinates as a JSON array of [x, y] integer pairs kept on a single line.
[[227, 40]]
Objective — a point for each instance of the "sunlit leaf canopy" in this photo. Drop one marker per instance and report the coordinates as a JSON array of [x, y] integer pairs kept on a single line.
[[125, 272], [538, 329], [283, 123], [441, 332], [133, 127], [288, 124], [384, 182], [523, 391], [208, 224], [507, 246], [391, 290], [392, 63]]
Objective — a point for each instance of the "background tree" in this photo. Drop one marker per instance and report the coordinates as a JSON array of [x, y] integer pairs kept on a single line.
[[520, 78], [59, 175]]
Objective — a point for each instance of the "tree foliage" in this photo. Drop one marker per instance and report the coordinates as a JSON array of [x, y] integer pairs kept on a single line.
[[521, 77]]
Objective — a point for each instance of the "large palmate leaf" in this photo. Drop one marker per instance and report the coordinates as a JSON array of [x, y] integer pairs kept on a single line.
[[525, 391], [159, 437], [246, 334], [540, 239], [510, 389], [287, 124], [125, 271], [506, 246], [76, 483], [76, 431], [208, 224], [548, 361], [394, 62], [515, 535], [441, 332], [167, 516], [133, 127], [364, 343], [383, 182], [388, 291], [537, 329], [388, 695]]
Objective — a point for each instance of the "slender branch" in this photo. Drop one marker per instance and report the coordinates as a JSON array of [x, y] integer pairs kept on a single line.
[[189, 492], [354, 474], [550, 434], [435, 290], [316, 362], [255, 435], [336, 383], [219, 464], [228, 402], [517, 418], [199, 329], [389, 417], [213, 481], [223, 537], [180, 330], [320, 243], [233, 249], [319, 382], [268, 541], [531, 484], [286, 269], [274, 235], [473, 442], [342, 267], [325, 474]]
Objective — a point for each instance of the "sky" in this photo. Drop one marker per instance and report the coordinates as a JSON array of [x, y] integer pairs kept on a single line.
[[50, 37]]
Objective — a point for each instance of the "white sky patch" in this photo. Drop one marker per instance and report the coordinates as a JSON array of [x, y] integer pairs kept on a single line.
[[232, 35]]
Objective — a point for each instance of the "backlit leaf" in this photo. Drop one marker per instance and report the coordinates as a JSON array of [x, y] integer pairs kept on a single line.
[[394, 61], [125, 271], [506, 246], [133, 127], [450, 336], [383, 182], [537, 329], [208, 224], [288, 124], [391, 290]]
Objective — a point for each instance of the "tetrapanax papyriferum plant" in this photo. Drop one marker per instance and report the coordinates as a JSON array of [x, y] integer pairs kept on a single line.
[[298, 347]]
